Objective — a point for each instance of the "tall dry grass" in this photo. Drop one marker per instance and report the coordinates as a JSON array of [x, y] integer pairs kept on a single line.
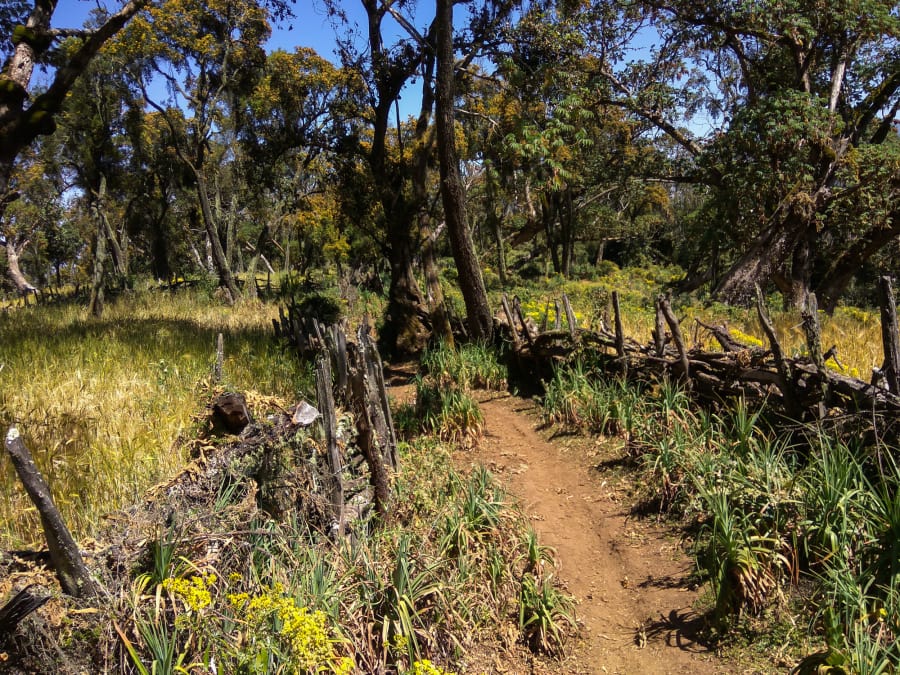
[[101, 403]]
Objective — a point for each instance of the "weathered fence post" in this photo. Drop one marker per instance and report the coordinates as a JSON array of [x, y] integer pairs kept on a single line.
[[517, 343], [326, 407], [620, 332], [674, 326], [659, 332], [367, 438], [220, 359], [381, 414], [64, 554], [517, 308], [785, 376], [570, 316], [889, 336], [810, 316]]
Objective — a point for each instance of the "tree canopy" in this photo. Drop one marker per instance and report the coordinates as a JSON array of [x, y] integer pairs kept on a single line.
[[561, 132]]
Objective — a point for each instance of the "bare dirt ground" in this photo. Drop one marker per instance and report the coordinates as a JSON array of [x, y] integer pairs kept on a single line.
[[630, 578]]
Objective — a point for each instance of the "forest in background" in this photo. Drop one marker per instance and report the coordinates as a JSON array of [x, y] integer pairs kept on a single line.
[[748, 143]]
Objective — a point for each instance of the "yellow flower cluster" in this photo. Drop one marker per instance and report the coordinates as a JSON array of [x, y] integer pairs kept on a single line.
[[744, 338], [426, 667], [306, 633], [832, 364], [194, 591]]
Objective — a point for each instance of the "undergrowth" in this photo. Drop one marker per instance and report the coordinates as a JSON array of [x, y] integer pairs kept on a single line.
[[456, 561], [445, 405], [768, 513]]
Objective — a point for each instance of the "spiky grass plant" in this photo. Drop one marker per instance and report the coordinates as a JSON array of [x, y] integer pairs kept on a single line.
[[101, 403], [445, 405]]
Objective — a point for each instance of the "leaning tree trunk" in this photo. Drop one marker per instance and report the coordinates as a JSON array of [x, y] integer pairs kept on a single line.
[[404, 332], [15, 271], [95, 305], [755, 267], [226, 278], [471, 282]]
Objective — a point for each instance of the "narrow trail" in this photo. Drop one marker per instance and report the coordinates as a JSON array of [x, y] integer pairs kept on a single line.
[[629, 578]]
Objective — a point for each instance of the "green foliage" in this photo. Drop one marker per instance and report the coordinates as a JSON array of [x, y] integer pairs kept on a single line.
[[444, 403], [545, 614]]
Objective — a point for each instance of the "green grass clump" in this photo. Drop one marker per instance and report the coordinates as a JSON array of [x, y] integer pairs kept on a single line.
[[102, 403], [444, 404], [768, 514]]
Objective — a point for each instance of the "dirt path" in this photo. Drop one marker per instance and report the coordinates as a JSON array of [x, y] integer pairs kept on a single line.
[[629, 578]]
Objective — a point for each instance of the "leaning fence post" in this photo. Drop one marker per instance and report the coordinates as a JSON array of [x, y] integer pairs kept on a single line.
[[889, 336], [220, 359], [570, 315], [672, 320], [784, 370], [517, 343], [326, 407], [66, 558], [620, 332], [810, 316]]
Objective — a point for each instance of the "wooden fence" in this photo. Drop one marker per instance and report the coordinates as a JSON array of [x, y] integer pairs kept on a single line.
[[804, 388]]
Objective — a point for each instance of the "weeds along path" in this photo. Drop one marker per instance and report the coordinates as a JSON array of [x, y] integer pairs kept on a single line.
[[629, 578]]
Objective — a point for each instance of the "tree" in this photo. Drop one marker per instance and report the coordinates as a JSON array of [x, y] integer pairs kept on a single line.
[[471, 283], [209, 54], [804, 172], [22, 117]]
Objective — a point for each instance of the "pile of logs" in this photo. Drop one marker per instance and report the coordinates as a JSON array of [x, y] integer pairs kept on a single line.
[[804, 388]]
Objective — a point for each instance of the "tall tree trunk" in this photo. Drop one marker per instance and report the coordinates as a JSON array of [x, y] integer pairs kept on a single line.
[[471, 282], [405, 332], [440, 318], [95, 304], [116, 252], [755, 267], [226, 279], [424, 144]]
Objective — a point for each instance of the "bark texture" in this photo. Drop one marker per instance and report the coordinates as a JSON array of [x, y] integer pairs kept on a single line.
[[452, 191]]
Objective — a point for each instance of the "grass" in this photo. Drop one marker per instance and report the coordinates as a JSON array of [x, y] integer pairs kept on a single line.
[[768, 514], [102, 404]]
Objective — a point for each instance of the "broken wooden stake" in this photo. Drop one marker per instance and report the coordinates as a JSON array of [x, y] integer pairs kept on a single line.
[[675, 328], [66, 558], [620, 332], [326, 408], [517, 343], [18, 608], [220, 359], [659, 333], [570, 316], [785, 375], [810, 319], [889, 336]]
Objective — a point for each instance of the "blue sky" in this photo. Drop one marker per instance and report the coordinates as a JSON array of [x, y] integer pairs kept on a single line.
[[309, 28]]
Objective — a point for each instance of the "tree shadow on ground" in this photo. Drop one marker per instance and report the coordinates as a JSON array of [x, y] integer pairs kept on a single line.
[[682, 629]]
